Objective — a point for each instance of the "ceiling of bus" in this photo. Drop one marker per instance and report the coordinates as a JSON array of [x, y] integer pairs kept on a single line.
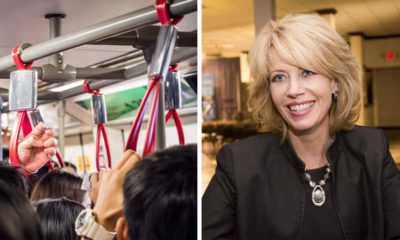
[[25, 22]]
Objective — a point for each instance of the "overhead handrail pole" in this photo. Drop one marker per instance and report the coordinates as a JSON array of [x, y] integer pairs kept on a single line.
[[146, 37], [126, 22], [180, 54]]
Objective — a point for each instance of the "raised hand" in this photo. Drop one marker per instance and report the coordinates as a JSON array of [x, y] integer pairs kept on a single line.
[[37, 148]]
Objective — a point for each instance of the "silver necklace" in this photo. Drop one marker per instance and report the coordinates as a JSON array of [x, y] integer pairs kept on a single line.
[[318, 194]]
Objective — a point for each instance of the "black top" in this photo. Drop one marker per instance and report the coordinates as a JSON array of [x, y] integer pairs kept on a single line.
[[258, 190], [320, 222]]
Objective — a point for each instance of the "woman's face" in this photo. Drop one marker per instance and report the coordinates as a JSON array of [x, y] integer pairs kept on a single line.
[[303, 98]]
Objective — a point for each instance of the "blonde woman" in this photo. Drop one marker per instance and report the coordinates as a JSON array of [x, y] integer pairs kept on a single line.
[[315, 174]]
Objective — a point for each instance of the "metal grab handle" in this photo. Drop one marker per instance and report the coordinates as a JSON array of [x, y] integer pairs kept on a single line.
[[173, 90], [161, 58], [102, 131], [100, 118]]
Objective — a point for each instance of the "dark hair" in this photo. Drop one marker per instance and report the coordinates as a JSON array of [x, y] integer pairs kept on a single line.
[[71, 165], [10, 175], [17, 218], [58, 184], [160, 195], [57, 218]]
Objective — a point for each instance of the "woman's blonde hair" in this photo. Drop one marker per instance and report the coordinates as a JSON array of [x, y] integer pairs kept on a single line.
[[310, 43]]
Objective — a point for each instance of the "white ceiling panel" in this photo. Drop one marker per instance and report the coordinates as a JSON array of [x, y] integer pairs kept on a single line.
[[374, 18]]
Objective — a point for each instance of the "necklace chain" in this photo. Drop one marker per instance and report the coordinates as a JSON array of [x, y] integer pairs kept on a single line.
[[322, 182], [318, 194]]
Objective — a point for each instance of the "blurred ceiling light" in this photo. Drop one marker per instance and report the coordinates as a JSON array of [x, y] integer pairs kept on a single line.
[[227, 45]]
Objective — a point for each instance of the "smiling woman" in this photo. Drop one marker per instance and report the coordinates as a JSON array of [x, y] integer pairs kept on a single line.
[[311, 45], [315, 175]]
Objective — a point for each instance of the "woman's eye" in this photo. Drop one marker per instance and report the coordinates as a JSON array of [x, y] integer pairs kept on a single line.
[[307, 73], [278, 78]]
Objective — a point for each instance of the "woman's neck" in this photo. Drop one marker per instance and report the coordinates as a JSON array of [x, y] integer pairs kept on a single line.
[[311, 147]]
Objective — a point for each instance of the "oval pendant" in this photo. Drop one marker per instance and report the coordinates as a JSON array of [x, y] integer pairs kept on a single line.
[[318, 196]]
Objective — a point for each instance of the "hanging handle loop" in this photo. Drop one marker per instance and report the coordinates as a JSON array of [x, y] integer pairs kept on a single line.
[[172, 112], [87, 89], [22, 121], [157, 72], [152, 125], [100, 118], [135, 129], [178, 124], [16, 54], [101, 130]]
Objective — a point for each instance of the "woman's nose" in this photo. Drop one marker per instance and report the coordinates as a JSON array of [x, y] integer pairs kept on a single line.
[[295, 87]]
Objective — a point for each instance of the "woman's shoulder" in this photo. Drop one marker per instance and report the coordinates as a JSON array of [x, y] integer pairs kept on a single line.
[[248, 150], [256, 143], [365, 139], [363, 134], [262, 139]]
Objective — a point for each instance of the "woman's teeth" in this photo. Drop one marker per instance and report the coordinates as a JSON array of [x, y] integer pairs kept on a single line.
[[300, 107]]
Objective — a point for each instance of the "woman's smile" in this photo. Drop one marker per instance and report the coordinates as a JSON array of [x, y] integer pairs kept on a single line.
[[300, 109]]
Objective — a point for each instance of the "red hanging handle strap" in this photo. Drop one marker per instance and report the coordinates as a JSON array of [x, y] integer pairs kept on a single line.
[[133, 137], [60, 160], [16, 54], [163, 13], [21, 123], [152, 125], [87, 89], [164, 16], [178, 124], [102, 131]]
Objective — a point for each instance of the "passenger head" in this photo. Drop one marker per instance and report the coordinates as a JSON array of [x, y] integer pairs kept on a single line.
[[17, 218], [58, 184], [57, 218], [310, 43], [10, 175], [160, 196]]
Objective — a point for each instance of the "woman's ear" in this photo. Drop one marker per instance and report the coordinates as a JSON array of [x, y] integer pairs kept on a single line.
[[335, 87], [122, 229]]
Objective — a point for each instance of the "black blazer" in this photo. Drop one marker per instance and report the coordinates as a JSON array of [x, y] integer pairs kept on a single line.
[[257, 191]]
